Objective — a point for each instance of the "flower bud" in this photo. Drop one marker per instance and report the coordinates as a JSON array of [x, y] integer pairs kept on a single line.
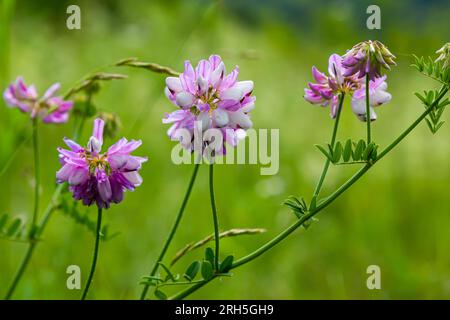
[[368, 57]]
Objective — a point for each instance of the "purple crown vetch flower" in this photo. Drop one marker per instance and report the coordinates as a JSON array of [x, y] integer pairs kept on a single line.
[[326, 90], [50, 108], [96, 177], [368, 57], [211, 97]]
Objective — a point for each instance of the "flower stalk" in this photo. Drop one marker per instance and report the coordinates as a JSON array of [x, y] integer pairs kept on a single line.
[[33, 227], [332, 142], [95, 256], [173, 230], [215, 217], [38, 231], [368, 117]]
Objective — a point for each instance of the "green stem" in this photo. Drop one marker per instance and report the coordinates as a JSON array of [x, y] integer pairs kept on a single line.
[[36, 178], [327, 201], [94, 260], [215, 217], [39, 230], [368, 119], [173, 230], [22, 267], [333, 140]]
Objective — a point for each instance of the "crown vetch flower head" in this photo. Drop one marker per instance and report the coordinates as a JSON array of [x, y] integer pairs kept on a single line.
[[325, 92], [368, 57], [96, 177], [444, 55], [50, 108], [208, 95]]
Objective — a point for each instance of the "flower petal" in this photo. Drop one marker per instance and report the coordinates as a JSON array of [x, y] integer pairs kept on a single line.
[[185, 99], [133, 177], [78, 176], [174, 84], [104, 189], [234, 94], [51, 91], [220, 118]]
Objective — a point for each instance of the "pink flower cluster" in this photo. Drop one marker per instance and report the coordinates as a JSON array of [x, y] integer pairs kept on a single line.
[[96, 177], [326, 89], [50, 108], [208, 96]]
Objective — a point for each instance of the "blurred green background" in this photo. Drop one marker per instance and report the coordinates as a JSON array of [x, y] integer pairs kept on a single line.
[[396, 217]]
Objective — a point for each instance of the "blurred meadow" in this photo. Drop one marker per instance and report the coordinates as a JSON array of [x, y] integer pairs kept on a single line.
[[397, 216]]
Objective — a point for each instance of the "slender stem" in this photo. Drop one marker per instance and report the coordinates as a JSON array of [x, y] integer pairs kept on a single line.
[[22, 267], [39, 230], [94, 260], [368, 119], [333, 140], [215, 217], [322, 205], [33, 226], [54, 200], [173, 230]]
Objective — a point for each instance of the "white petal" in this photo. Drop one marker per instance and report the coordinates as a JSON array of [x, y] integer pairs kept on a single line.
[[174, 84], [217, 75], [241, 119], [380, 97], [359, 109], [234, 94], [248, 107], [245, 86], [94, 145], [133, 177], [202, 84], [185, 99], [221, 118], [205, 120], [383, 86]]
